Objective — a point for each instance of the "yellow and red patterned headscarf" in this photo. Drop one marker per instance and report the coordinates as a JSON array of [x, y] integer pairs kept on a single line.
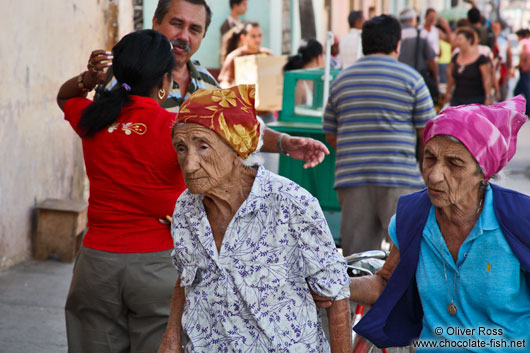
[[228, 112]]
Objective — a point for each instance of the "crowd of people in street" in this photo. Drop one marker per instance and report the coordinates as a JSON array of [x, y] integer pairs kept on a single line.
[[247, 257]]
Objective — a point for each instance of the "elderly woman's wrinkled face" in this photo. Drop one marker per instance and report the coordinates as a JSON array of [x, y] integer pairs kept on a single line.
[[449, 171], [205, 159]]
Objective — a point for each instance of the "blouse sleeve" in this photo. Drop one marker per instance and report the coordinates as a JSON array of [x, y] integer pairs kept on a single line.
[[482, 59], [73, 110], [323, 266]]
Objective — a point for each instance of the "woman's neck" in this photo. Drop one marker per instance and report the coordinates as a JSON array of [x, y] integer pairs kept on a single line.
[[226, 200], [469, 51], [312, 64], [181, 75]]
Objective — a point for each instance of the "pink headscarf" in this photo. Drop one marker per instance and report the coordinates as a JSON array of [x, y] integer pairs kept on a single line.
[[488, 132]]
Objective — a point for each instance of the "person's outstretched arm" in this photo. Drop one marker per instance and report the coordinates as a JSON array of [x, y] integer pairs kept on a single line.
[[302, 148]]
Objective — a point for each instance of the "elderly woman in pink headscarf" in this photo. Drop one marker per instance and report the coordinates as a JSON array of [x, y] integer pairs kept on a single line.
[[457, 276]]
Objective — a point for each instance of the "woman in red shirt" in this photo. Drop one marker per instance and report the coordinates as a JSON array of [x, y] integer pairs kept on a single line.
[[122, 281]]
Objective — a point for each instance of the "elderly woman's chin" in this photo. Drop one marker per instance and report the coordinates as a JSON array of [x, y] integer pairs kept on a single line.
[[196, 185], [439, 198]]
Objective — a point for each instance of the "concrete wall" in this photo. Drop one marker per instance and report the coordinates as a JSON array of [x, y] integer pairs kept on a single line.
[[43, 43]]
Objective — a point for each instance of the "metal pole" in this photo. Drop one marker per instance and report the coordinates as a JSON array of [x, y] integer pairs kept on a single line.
[[329, 42]]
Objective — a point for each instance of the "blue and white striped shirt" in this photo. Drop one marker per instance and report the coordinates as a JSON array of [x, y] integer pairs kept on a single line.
[[375, 107]]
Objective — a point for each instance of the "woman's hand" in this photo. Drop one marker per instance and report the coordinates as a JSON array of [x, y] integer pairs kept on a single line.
[[80, 85], [98, 62], [304, 148]]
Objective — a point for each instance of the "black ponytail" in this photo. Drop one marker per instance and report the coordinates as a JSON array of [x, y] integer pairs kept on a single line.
[[308, 50], [141, 59], [104, 111]]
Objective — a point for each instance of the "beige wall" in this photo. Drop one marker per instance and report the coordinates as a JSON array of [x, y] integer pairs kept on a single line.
[[43, 43]]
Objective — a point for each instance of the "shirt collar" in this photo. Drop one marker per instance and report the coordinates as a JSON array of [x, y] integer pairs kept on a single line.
[[193, 85], [487, 219], [376, 56]]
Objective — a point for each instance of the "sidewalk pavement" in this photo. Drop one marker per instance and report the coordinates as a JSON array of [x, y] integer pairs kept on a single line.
[[32, 298]]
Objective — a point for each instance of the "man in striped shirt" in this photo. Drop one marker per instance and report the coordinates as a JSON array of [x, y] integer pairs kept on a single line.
[[374, 118]]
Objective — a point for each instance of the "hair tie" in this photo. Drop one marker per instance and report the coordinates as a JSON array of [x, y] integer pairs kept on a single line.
[[126, 86]]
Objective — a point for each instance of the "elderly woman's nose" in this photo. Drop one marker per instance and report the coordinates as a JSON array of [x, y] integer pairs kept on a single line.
[[436, 173], [191, 162]]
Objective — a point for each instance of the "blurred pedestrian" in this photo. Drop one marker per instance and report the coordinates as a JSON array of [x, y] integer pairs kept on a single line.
[[469, 72], [444, 60], [252, 36], [334, 60], [418, 53], [231, 40], [310, 55], [237, 8], [523, 85], [475, 20], [433, 36], [503, 59], [350, 45], [374, 118]]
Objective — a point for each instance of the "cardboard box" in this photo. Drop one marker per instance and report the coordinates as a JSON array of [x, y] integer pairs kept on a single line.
[[266, 73]]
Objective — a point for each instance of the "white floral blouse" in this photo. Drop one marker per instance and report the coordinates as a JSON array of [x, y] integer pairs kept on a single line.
[[253, 296]]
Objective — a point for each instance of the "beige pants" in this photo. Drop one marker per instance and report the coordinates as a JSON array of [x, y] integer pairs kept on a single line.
[[366, 212], [119, 302]]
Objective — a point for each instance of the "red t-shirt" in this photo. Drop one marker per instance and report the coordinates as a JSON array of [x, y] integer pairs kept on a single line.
[[134, 175]]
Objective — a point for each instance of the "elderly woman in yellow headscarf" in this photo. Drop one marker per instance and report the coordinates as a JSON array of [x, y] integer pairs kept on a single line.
[[250, 246]]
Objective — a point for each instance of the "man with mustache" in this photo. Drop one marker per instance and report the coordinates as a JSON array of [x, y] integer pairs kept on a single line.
[[184, 23]]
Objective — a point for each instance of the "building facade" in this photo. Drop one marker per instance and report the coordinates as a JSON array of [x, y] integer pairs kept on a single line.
[[42, 45]]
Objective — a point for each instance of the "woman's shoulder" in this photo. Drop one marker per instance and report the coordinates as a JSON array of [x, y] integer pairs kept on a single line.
[[277, 187], [483, 59], [146, 110], [500, 192], [187, 203]]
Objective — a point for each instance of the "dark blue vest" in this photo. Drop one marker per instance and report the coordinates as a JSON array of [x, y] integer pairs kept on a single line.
[[396, 318]]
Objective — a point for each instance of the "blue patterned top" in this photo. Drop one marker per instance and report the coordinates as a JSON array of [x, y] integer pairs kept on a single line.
[[253, 296]]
